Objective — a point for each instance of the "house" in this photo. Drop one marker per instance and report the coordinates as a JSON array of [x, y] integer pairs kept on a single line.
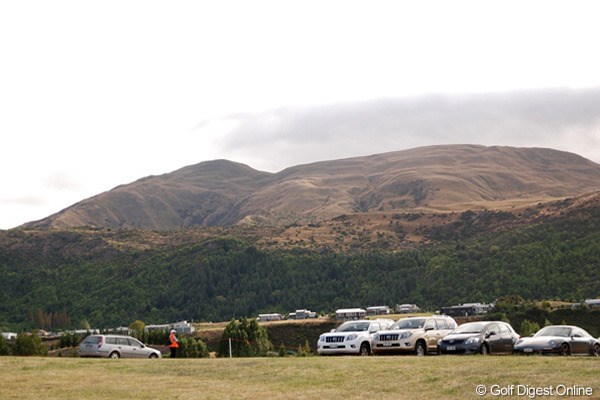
[[466, 309], [302, 314], [407, 308], [183, 327], [378, 310], [592, 303], [180, 327], [349, 314], [9, 335], [270, 317]]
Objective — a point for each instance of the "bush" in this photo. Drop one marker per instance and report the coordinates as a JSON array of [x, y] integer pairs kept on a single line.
[[528, 327], [29, 345], [3, 346], [248, 339]]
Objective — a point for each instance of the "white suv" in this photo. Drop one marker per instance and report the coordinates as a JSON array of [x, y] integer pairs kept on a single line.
[[417, 335], [352, 337]]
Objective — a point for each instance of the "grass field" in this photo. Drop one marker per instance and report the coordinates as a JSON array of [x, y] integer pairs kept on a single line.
[[390, 377]]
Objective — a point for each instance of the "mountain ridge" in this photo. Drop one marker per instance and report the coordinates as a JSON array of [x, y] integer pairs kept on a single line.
[[433, 178]]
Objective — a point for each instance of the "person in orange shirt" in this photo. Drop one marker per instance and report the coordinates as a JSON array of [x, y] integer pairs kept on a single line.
[[174, 343]]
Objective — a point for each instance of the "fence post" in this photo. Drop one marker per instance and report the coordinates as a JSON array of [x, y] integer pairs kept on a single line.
[[230, 355]]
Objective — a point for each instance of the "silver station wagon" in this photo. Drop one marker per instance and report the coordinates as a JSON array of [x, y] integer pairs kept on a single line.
[[115, 346]]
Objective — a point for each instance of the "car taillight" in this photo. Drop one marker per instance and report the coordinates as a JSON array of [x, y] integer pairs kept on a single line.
[[99, 342]]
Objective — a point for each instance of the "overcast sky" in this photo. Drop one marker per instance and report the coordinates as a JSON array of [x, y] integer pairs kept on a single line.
[[94, 94]]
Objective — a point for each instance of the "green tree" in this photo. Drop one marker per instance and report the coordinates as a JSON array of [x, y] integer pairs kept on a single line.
[[138, 327], [29, 345], [3, 346], [248, 339], [528, 328]]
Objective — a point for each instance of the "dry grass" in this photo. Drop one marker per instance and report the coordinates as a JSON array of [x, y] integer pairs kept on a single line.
[[397, 377]]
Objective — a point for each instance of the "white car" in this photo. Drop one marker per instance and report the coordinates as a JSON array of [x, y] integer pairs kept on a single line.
[[417, 335], [352, 337]]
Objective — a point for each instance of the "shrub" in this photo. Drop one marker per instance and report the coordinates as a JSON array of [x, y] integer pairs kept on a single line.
[[29, 345]]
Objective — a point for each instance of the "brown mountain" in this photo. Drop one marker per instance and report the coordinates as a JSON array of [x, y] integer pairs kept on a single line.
[[434, 178]]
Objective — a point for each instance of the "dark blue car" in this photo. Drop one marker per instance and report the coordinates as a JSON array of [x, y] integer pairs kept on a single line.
[[484, 337]]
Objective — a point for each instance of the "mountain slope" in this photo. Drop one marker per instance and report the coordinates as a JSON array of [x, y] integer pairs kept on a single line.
[[434, 178]]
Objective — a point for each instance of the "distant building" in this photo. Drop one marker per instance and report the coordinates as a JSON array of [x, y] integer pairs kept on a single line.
[[592, 303], [378, 310], [9, 335], [349, 314], [180, 327], [407, 308], [302, 314], [270, 317], [466, 309]]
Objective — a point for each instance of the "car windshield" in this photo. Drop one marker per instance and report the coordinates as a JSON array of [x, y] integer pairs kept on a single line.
[[471, 327], [561, 331], [353, 327], [92, 339], [409, 323]]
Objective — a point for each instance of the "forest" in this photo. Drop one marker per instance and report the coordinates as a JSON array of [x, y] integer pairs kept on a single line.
[[70, 279]]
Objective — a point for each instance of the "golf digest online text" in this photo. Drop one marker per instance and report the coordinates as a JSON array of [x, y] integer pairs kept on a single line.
[[532, 392]]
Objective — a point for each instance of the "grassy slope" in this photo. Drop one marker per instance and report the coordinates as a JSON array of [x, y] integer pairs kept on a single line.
[[312, 378]]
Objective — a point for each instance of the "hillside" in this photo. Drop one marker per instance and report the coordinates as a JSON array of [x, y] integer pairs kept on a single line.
[[57, 279], [427, 179]]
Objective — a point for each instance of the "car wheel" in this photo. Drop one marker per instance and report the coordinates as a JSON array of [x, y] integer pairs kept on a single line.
[[484, 349], [420, 349], [596, 350], [565, 350], [364, 350], [114, 354], [153, 355]]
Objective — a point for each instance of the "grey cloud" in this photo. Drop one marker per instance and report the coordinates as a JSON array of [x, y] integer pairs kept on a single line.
[[564, 119]]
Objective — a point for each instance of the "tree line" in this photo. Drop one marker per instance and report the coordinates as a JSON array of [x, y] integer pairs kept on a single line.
[[224, 278]]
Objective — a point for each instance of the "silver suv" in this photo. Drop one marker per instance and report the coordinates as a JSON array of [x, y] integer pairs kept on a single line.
[[115, 346], [417, 335]]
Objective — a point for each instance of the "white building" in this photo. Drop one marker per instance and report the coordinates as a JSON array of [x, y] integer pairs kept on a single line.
[[592, 303], [180, 327], [9, 335], [378, 310], [348, 314], [270, 317]]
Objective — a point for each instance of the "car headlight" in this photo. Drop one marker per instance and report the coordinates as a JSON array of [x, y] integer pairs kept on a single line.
[[405, 335], [352, 336], [472, 340], [321, 338], [376, 336]]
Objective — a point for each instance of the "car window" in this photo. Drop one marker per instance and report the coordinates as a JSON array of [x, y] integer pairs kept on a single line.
[[134, 343], [374, 327], [430, 324], [409, 323], [92, 340], [577, 333], [111, 340], [442, 323], [122, 341], [504, 328], [493, 328], [560, 331], [353, 326]]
